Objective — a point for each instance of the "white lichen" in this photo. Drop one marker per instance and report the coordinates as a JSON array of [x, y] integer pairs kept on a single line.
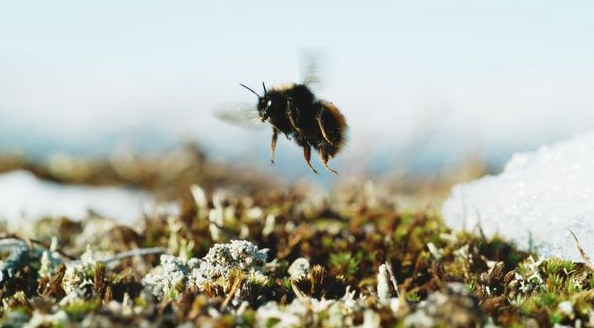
[[58, 319], [566, 308], [419, 319], [50, 259], [528, 277], [222, 259], [174, 274], [453, 306], [269, 225], [254, 213], [371, 319], [386, 282], [215, 217], [77, 282], [170, 278], [383, 285], [324, 313], [271, 312], [19, 255], [435, 252], [299, 268], [199, 198]]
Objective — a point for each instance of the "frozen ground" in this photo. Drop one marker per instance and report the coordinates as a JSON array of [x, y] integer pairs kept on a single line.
[[536, 201], [24, 196]]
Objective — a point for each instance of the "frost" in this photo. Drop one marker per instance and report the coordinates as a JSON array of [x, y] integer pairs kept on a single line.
[[536, 201]]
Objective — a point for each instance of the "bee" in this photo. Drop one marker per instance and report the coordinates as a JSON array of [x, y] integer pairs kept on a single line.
[[294, 111]]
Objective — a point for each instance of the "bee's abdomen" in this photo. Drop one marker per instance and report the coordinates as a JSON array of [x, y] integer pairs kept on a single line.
[[334, 127]]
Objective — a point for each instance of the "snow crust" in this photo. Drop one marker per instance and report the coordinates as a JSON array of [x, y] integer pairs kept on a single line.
[[536, 201]]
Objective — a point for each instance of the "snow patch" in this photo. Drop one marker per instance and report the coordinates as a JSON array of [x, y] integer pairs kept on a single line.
[[24, 196], [536, 201]]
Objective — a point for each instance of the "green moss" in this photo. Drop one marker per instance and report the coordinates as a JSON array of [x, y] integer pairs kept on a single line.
[[287, 285], [81, 308], [413, 298], [140, 302], [556, 318], [555, 266], [272, 322], [546, 299], [327, 242]]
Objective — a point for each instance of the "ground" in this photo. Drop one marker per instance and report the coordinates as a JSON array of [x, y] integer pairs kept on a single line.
[[233, 247]]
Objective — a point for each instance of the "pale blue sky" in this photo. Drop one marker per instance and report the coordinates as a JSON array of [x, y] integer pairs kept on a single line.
[[496, 76]]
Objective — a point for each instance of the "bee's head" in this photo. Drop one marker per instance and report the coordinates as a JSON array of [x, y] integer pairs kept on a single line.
[[264, 101]]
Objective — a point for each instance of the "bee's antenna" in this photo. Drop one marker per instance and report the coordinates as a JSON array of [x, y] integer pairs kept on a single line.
[[254, 92], [264, 86]]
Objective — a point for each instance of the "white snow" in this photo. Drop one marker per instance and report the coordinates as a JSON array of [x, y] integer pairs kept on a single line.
[[536, 201], [24, 196]]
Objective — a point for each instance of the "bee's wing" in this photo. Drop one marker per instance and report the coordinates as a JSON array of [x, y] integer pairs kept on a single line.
[[239, 114], [309, 64], [311, 76]]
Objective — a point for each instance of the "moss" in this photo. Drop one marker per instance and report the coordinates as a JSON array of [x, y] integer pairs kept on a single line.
[[79, 309], [413, 297], [272, 322]]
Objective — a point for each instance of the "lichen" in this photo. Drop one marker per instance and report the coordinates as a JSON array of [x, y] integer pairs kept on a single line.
[[222, 264], [222, 259], [78, 279], [299, 268], [170, 279]]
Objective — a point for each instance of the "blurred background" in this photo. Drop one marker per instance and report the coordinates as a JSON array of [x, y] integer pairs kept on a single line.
[[423, 85]]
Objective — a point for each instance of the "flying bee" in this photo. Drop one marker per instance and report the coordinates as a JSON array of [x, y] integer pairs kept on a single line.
[[293, 110]]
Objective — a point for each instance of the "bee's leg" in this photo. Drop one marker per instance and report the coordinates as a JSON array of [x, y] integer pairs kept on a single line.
[[321, 125], [324, 156], [293, 115], [307, 156], [273, 144]]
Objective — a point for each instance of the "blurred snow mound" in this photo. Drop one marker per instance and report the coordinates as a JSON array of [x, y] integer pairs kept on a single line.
[[24, 196], [536, 201]]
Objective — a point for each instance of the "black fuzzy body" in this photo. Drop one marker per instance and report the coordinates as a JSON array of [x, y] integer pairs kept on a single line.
[[294, 111], [277, 114]]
